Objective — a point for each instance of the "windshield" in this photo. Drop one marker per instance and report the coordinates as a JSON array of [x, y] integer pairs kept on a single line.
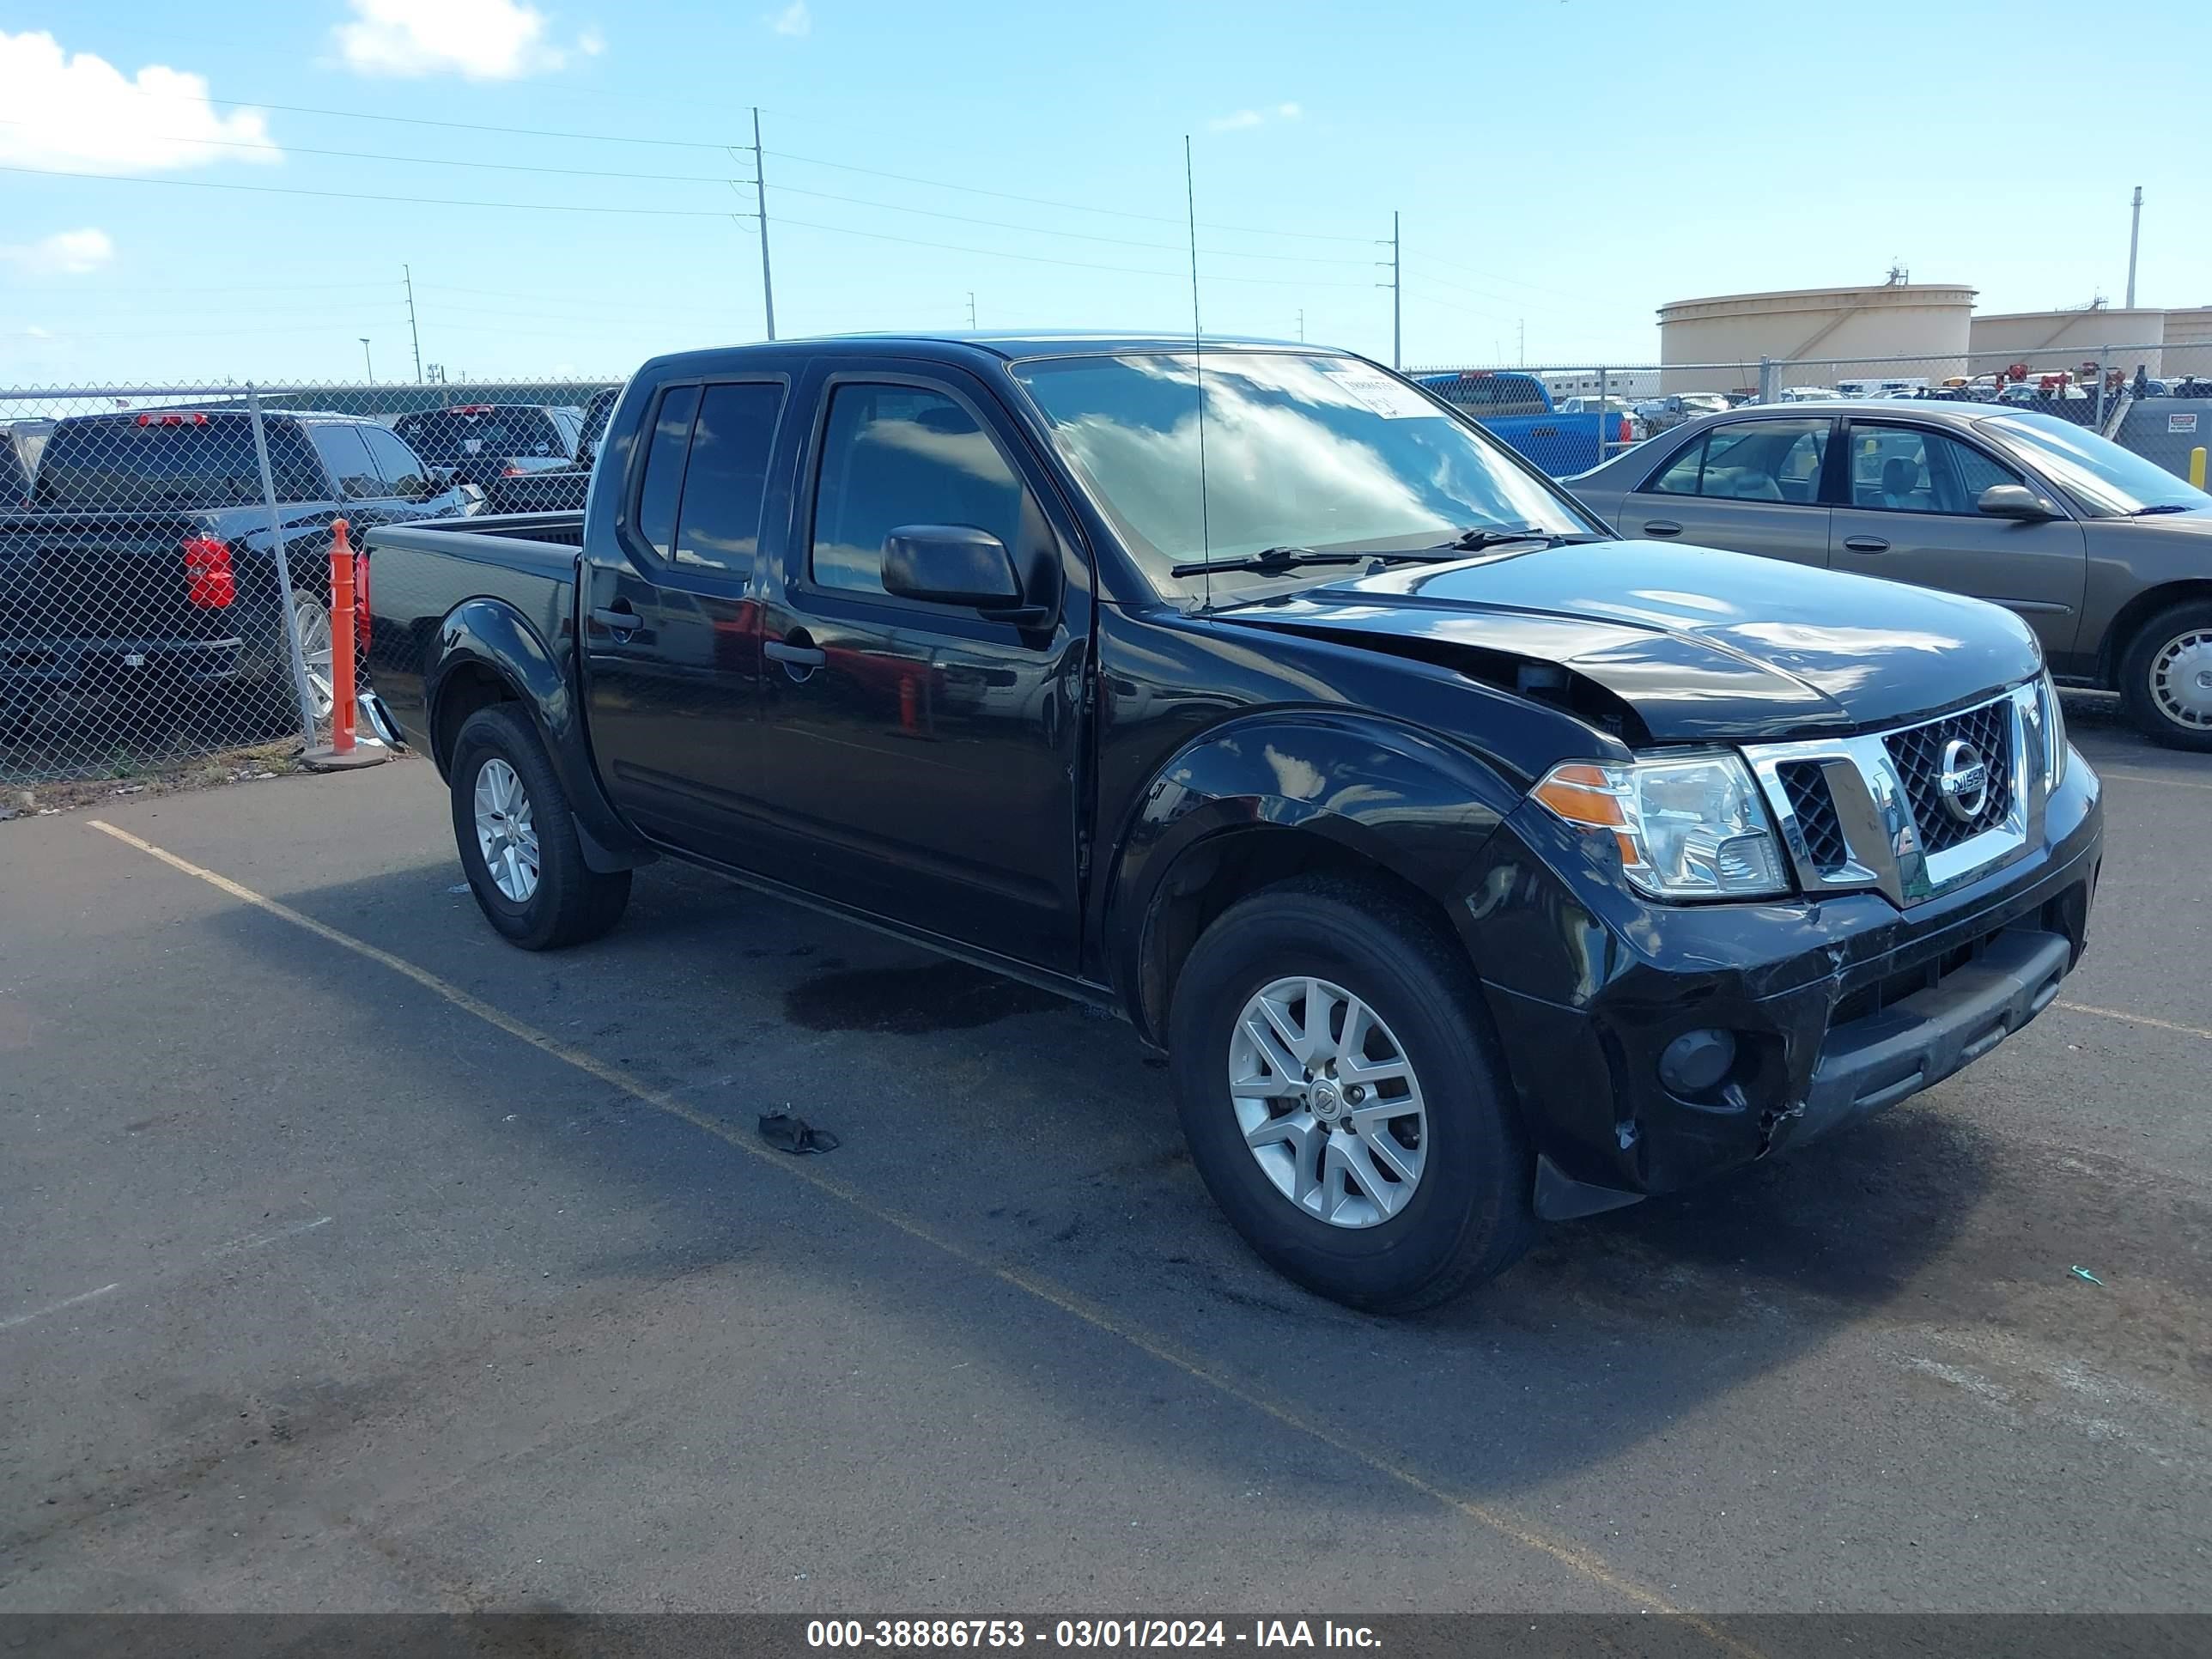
[[1325, 454], [444, 435], [2108, 480], [194, 460]]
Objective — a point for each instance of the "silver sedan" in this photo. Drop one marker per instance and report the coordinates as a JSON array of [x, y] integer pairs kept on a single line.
[[2105, 554]]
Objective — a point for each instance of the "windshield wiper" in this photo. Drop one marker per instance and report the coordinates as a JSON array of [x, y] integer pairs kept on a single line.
[[1478, 537], [2162, 507], [1270, 561]]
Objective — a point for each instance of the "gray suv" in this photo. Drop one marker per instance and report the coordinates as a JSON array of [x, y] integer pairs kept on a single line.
[[2106, 555]]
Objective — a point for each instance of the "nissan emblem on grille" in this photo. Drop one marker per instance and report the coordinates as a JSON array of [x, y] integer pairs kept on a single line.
[[1964, 782]]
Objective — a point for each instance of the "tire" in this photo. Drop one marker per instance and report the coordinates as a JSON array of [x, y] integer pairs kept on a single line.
[[1468, 1214], [2166, 677], [314, 620], [566, 902]]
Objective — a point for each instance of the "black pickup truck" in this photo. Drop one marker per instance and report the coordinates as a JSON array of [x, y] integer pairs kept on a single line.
[[144, 564], [1470, 864]]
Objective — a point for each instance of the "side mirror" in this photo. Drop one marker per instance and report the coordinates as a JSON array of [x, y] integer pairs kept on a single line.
[[956, 564], [2012, 502]]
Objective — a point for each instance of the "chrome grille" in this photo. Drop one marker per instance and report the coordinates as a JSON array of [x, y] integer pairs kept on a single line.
[[1919, 752], [1871, 812], [1807, 783]]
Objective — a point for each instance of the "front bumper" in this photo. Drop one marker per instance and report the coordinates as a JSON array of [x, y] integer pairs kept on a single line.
[[1839, 1007]]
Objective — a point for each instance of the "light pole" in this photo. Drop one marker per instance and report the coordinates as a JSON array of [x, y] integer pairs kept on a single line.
[[365, 361]]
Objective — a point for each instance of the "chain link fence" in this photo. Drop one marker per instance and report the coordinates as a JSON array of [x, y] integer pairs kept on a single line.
[[165, 550], [1568, 418]]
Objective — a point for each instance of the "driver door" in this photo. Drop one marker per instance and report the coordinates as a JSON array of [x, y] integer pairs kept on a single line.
[[919, 762]]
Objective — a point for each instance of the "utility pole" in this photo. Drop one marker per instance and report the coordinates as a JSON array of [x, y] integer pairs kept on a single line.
[[1302, 325], [2134, 230], [413, 334], [971, 308], [1394, 286], [1521, 346], [366, 361], [1397, 296], [760, 199]]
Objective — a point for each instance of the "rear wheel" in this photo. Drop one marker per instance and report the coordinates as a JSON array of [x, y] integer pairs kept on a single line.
[[2166, 677], [1343, 1097], [517, 841]]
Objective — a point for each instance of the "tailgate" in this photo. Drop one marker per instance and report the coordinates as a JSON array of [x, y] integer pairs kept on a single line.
[[106, 577]]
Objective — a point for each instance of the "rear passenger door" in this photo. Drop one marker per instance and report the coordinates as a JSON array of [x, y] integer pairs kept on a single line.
[[672, 623], [1907, 512], [1751, 486]]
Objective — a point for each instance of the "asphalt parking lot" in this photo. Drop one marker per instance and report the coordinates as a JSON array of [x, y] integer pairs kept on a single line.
[[350, 1259]]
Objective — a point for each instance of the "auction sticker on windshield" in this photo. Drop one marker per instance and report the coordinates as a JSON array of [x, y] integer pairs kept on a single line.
[[1384, 395]]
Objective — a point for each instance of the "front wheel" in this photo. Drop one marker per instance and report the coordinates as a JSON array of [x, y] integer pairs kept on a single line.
[[1343, 1098], [2166, 677], [518, 842]]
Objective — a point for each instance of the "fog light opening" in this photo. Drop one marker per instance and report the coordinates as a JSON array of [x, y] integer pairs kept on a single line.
[[1698, 1062]]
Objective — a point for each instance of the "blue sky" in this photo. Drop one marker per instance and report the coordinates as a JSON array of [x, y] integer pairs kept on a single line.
[[1561, 166]]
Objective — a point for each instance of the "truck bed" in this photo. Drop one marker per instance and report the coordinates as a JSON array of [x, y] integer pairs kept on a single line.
[[420, 572]]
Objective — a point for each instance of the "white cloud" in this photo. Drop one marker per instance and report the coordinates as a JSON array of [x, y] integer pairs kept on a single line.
[[64, 253], [1245, 119], [81, 114], [794, 19], [478, 39], [38, 333]]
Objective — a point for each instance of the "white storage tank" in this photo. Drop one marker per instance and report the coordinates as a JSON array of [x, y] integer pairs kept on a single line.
[[2048, 341], [1929, 322]]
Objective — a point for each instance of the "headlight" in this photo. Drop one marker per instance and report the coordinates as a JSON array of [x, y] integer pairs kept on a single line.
[[1685, 829], [2054, 735]]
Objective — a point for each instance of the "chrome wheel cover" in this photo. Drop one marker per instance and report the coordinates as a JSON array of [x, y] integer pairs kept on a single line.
[[1327, 1103], [507, 835], [315, 651], [2181, 680]]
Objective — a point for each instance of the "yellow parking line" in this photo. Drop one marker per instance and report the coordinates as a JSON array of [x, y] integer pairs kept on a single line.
[[2134, 1019], [1520, 1531], [2152, 777]]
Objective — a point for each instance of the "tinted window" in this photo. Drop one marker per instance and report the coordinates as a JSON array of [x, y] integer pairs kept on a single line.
[[720, 527], [347, 458], [1751, 461], [1490, 394], [445, 436], [664, 467], [107, 460], [395, 462], [896, 455]]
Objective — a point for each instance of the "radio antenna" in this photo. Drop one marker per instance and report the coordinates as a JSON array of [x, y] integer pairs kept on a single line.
[[1198, 356]]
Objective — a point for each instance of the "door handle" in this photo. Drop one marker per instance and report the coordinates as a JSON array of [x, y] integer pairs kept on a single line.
[[794, 656], [1866, 543], [624, 620], [1662, 527]]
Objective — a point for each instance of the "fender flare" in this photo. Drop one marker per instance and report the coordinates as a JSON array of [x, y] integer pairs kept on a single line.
[[491, 635], [1395, 794]]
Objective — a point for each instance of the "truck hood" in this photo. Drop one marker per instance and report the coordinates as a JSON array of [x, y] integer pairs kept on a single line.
[[1700, 645]]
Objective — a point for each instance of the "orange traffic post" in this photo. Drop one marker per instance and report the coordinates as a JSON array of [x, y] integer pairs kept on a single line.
[[341, 639], [342, 751]]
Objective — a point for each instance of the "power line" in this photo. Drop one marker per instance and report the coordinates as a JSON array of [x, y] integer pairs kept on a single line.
[[423, 160], [1040, 259], [1042, 201], [361, 196], [457, 126], [1076, 235]]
